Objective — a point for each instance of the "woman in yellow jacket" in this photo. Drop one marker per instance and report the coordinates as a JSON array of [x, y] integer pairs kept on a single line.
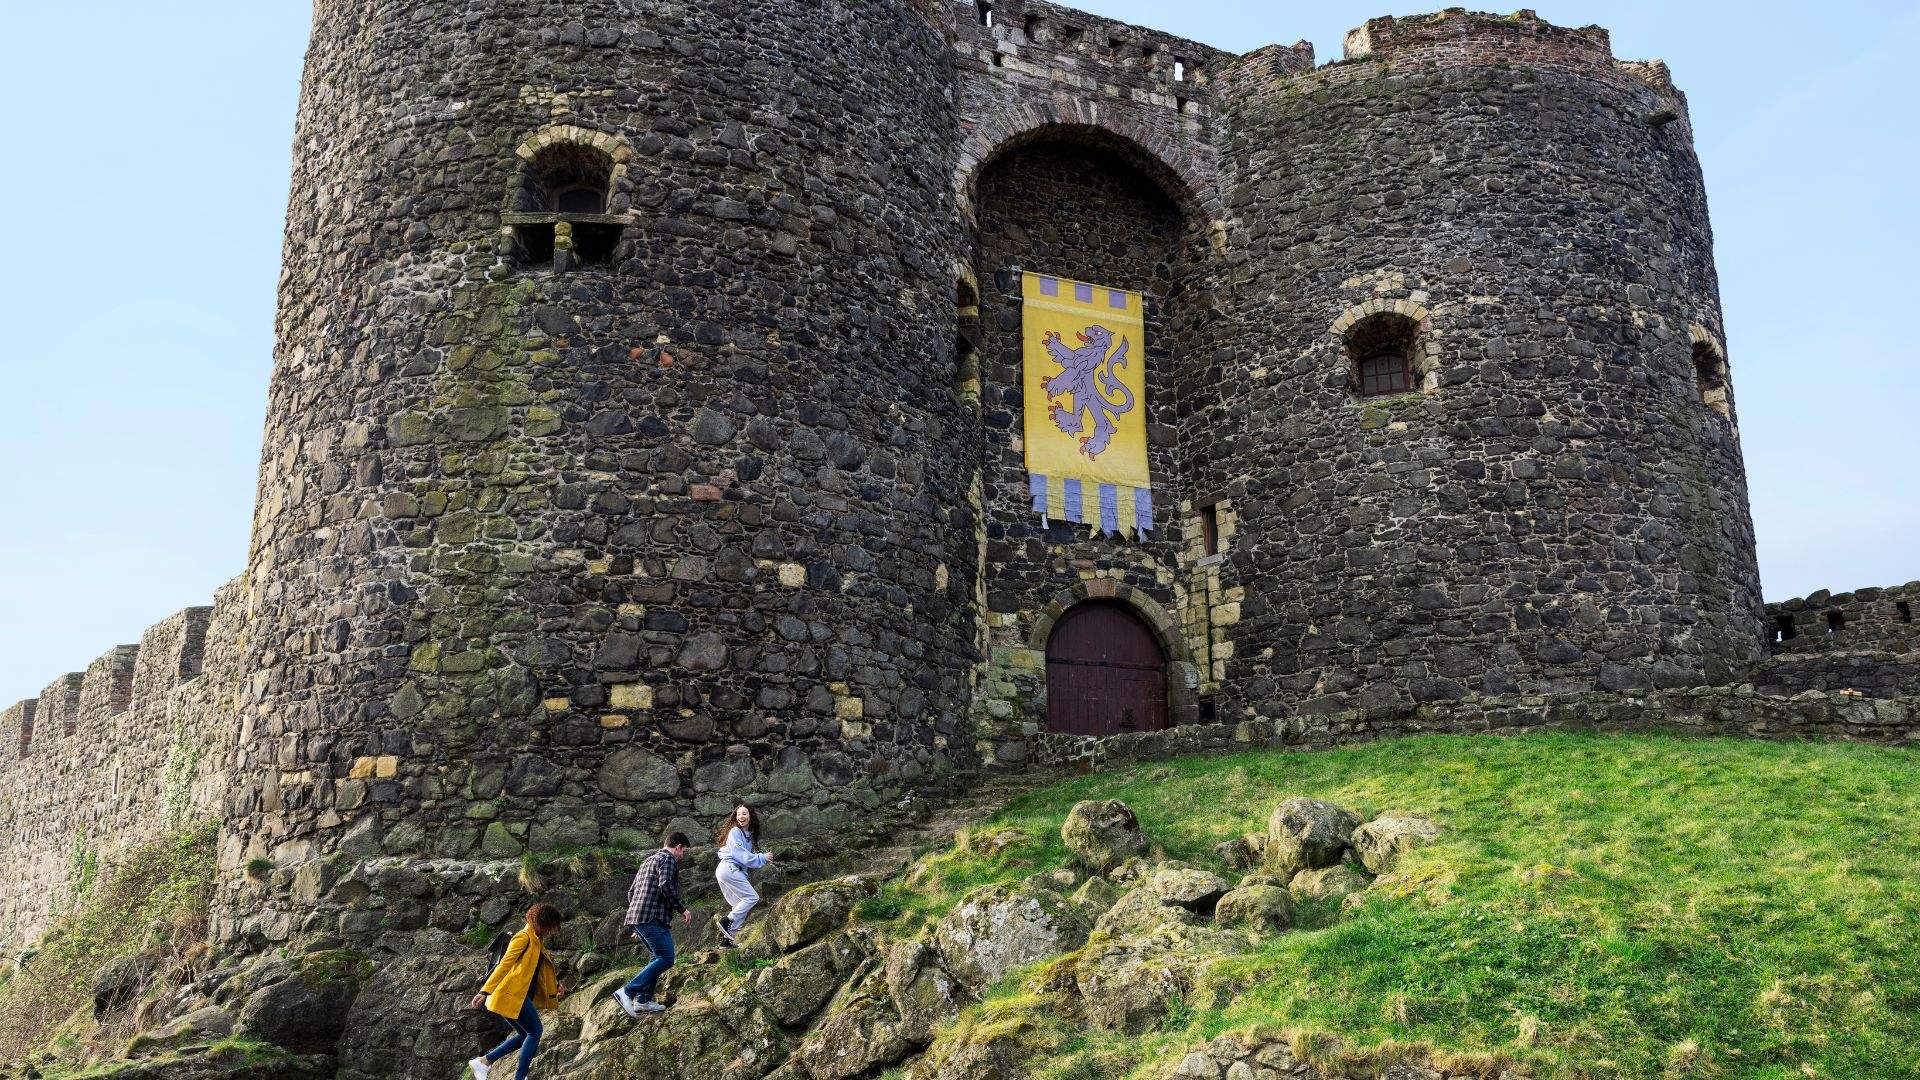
[[521, 984]]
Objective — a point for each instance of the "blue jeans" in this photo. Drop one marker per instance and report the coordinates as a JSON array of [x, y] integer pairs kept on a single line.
[[526, 1036], [659, 939]]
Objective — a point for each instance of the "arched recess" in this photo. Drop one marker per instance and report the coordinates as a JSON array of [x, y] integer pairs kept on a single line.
[[1188, 181], [1183, 703]]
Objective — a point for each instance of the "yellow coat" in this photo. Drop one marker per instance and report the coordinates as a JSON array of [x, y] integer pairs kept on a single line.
[[524, 968]]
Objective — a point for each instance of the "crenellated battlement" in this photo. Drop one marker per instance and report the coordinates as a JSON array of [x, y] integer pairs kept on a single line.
[[114, 755], [1459, 35]]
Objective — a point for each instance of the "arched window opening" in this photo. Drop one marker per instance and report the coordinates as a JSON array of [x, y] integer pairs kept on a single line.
[[1385, 353], [558, 210], [1710, 376]]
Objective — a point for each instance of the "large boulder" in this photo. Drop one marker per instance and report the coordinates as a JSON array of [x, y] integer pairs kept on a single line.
[[1304, 834], [203, 1026], [306, 1012], [118, 981], [1187, 887], [411, 1018], [860, 1035], [1382, 841], [998, 928], [721, 1037], [1328, 883], [1102, 834], [1128, 988], [1255, 907], [924, 993], [796, 986], [1143, 911], [995, 1048], [805, 915]]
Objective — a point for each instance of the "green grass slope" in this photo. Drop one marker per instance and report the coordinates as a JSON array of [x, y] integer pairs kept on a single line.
[[1598, 906]]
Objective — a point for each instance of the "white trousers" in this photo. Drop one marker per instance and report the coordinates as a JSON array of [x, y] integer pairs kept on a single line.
[[738, 892]]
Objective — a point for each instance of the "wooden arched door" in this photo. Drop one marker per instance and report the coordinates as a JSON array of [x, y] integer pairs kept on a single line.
[[1105, 673]]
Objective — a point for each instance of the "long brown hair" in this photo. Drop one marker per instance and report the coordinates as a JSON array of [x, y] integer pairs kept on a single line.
[[543, 918], [753, 825]]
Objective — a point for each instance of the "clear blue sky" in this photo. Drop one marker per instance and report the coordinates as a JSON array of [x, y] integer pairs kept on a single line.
[[147, 157]]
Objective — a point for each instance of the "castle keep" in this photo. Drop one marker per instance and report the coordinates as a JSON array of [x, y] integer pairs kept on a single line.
[[644, 431]]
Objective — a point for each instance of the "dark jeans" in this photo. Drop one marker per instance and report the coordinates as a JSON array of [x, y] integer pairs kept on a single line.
[[526, 1036], [659, 939]]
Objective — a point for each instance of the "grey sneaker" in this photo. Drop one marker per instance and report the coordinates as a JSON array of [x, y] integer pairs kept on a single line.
[[651, 1007], [626, 1003], [479, 1066], [726, 935]]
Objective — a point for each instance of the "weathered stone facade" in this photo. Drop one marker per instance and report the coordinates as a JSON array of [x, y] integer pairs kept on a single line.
[[580, 519], [1866, 641]]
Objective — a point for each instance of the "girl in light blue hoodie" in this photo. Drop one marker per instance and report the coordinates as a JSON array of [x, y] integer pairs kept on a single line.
[[735, 838]]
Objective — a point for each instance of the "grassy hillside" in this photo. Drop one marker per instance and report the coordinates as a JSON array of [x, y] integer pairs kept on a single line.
[[152, 905], [1598, 906]]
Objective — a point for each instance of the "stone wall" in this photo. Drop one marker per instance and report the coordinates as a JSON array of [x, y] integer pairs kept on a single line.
[[1554, 507], [1865, 640], [136, 746], [1708, 711], [560, 550]]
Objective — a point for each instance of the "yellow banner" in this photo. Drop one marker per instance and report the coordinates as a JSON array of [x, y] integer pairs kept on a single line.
[[1085, 367]]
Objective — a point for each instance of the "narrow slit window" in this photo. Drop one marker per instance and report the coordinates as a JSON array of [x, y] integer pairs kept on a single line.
[[1210, 530], [1783, 628], [985, 11], [1835, 622], [1179, 70], [1906, 611]]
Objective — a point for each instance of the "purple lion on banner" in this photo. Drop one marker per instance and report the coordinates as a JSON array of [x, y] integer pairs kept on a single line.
[[1085, 380]]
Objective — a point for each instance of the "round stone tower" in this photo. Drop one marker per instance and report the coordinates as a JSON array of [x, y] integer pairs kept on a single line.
[[1473, 415], [608, 469]]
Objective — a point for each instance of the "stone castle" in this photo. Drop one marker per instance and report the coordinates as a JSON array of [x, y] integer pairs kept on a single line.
[[645, 433]]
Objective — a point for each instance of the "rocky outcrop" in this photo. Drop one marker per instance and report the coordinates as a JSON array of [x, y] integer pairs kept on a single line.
[[1103, 834], [806, 914], [1255, 907], [1253, 1057], [1380, 842], [1328, 883], [999, 928], [1305, 834]]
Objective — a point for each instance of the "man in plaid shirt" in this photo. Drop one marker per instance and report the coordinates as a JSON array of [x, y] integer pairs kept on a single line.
[[652, 902]]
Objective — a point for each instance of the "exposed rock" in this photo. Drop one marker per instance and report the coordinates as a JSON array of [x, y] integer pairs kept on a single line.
[[207, 1024], [1142, 911], [997, 928], [720, 1037], [1094, 897], [801, 982], [1127, 987], [1102, 834], [862, 1034], [225, 1063], [1382, 841], [1187, 887], [923, 992], [307, 1011], [120, 980], [412, 1018], [1328, 883], [1255, 907], [1304, 834], [999, 1049], [804, 915], [1241, 852]]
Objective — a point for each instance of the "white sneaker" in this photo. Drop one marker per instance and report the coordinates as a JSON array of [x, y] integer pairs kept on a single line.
[[651, 1007], [479, 1066], [626, 1003]]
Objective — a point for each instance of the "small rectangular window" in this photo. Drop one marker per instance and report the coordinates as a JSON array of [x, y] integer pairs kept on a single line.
[[1835, 621], [1906, 611], [1210, 530], [1783, 628], [1179, 70], [985, 11]]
